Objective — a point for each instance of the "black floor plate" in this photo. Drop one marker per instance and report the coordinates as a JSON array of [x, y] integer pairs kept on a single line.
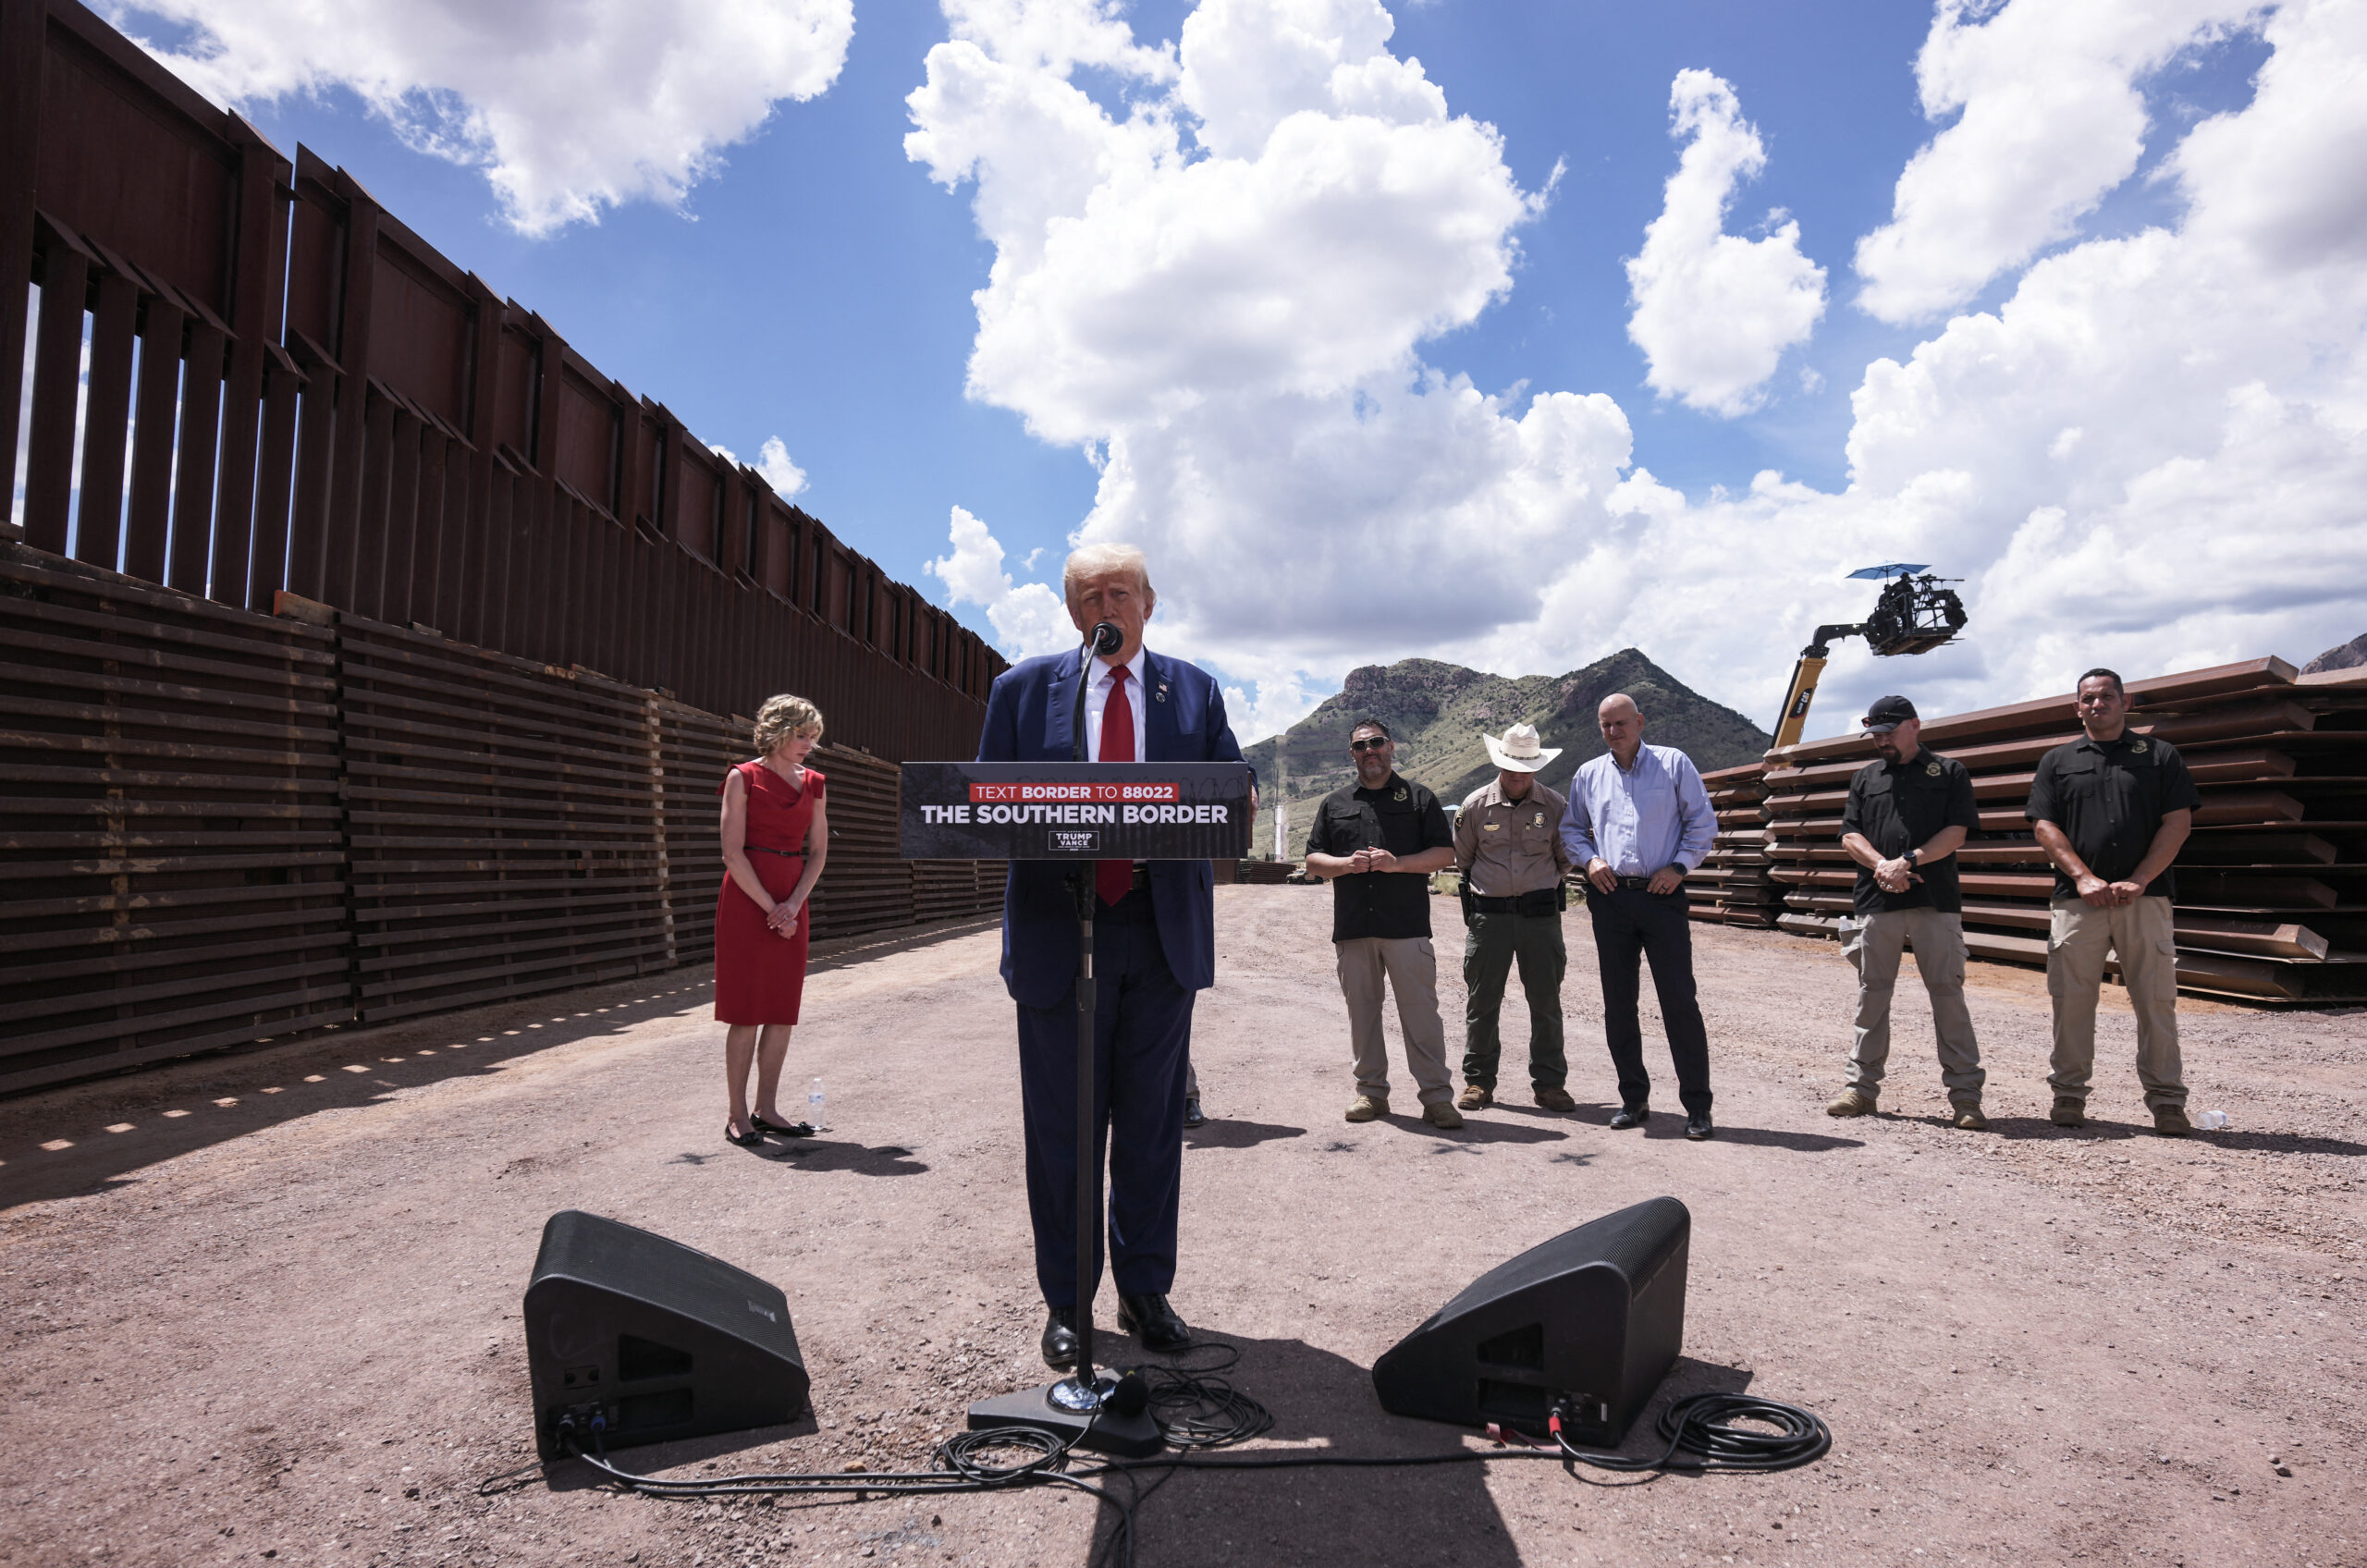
[[1125, 1437]]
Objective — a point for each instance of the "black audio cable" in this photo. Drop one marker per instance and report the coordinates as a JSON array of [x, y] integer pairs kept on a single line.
[[1197, 1411]]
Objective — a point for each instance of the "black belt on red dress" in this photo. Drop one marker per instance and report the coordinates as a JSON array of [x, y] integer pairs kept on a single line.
[[762, 850]]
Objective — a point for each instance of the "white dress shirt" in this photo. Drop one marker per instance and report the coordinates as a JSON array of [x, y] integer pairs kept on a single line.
[[1096, 697]]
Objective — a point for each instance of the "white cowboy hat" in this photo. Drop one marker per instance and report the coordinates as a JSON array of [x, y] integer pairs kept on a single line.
[[1518, 751]]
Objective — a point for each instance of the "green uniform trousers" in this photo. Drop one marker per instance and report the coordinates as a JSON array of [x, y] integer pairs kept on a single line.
[[1491, 942]]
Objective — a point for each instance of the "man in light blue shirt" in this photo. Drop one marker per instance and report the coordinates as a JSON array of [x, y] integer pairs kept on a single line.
[[1639, 820]]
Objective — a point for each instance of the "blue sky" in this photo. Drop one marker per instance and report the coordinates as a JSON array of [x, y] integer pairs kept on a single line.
[[817, 286]]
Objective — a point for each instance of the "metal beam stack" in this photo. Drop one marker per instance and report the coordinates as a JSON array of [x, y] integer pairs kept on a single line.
[[2272, 885], [1732, 886]]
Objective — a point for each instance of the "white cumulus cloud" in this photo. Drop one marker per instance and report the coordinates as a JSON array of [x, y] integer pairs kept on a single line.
[[570, 106], [2049, 121], [1715, 311], [772, 460], [1028, 617], [1233, 287]]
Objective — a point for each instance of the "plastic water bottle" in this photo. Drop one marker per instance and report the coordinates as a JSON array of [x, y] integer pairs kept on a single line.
[[815, 1103], [2211, 1121]]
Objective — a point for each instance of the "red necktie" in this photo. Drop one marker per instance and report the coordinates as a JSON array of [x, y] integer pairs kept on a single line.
[[1114, 878]]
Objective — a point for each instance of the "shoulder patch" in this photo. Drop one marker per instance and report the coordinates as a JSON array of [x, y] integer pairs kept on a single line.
[[2138, 745], [1933, 770], [1399, 794]]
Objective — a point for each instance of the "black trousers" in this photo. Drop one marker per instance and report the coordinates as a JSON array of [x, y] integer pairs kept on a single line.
[[1629, 925], [1141, 1039]]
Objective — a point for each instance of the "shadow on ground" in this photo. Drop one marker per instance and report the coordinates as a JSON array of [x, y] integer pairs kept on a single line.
[[78, 1137], [1368, 1511]]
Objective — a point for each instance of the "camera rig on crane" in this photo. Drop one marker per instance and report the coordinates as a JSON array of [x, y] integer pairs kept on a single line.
[[1914, 615]]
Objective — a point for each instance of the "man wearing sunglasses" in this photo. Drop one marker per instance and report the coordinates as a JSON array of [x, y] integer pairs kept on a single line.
[[1377, 841]]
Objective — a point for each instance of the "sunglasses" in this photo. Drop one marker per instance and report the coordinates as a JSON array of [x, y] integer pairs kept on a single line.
[[1372, 743]]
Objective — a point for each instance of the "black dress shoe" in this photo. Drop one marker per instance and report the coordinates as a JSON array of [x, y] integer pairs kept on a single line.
[[1059, 1339], [1153, 1323], [1628, 1116], [1697, 1127], [1193, 1116], [786, 1129]]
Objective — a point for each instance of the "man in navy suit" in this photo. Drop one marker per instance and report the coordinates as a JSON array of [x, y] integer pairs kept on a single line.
[[1154, 949]]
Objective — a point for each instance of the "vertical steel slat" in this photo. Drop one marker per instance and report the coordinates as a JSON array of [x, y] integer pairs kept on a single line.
[[57, 384], [107, 420], [152, 441], [403, 495], [268, 571], [194, 467]]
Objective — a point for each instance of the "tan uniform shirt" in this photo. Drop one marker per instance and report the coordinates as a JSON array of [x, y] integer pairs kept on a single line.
[[1506, 847]]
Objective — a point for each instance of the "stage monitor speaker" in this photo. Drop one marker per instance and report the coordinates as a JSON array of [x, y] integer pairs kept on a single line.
[[662, 1341], [1594, 1316]]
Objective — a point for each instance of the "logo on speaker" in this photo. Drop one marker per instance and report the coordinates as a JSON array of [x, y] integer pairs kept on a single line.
[[766, 1313], [1069, 841]]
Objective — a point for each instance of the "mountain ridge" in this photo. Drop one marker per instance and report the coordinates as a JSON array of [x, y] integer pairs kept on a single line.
[[1437, 712]]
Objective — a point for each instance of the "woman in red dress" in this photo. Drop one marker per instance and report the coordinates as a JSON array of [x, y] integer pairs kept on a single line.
[[775, 839]]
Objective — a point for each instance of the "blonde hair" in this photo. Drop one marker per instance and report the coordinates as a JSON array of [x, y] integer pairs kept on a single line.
[[783, 716], [1092, 560]]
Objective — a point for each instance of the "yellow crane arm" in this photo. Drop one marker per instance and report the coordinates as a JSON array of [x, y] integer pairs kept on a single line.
[[1805, 675]]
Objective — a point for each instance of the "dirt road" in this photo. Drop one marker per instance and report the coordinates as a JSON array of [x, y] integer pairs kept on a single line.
[[266, 1307]]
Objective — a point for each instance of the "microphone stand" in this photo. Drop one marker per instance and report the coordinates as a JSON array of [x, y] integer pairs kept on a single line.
[[1080, 1390], [1081, 1407]]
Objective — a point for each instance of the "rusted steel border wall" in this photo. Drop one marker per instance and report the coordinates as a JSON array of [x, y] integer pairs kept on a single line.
[[218, 827], [289, 390]]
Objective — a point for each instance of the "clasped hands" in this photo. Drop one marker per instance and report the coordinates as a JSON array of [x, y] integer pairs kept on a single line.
[[1372, 860], [1665, 881], [2097, 893], [1895, 875], [782, 917]]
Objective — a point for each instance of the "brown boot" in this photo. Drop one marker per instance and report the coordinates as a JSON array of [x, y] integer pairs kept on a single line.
[[1555, 1097], [1476, 1097], [1851, 1102], [1969, 1117], [1443, 1115], [2170, 1120], [2069, 1111], [1367, 1108]]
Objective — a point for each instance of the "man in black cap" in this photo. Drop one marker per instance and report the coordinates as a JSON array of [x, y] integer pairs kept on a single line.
[[1906, 816], [2112, 810]]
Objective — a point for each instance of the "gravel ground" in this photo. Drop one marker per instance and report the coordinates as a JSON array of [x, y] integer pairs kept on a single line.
[[266, 1307]]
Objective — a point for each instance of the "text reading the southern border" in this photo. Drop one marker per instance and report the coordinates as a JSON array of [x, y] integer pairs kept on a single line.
[[1161, 790], [1079, 813]]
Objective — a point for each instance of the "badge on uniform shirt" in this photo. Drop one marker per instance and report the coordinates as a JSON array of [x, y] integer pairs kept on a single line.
[[1489, 827], [1932, 768], [1399, 794], [2137, 745], [1538, 821]]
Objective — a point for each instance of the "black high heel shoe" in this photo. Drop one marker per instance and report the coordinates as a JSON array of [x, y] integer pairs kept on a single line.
[[793, 1130]]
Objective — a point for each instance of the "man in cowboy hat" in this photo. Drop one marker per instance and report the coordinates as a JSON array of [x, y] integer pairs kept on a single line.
[[1508, 847]]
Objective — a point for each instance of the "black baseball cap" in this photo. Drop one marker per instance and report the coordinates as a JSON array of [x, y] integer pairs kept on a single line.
[[1887, 714]]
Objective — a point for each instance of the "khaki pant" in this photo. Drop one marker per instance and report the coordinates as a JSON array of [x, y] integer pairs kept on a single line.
[[1872, 944], [1411, 968], [2139, 935]]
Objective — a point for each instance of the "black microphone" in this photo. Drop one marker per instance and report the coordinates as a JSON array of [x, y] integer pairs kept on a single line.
[[1107, 639]]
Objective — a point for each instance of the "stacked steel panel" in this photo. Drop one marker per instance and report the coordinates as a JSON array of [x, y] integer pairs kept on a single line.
[[2272, 885], [1732, 884], [172, 857], [500, 819]]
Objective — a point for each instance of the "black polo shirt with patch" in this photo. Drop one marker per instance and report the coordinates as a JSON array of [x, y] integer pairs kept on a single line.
[[1901, 805], [2109, 798], [1402, 817]]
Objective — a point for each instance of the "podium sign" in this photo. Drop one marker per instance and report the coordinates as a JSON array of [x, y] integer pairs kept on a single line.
[[1074, 811]]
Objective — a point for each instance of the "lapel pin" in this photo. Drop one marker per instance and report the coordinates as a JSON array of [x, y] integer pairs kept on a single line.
[[1159, 695]]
